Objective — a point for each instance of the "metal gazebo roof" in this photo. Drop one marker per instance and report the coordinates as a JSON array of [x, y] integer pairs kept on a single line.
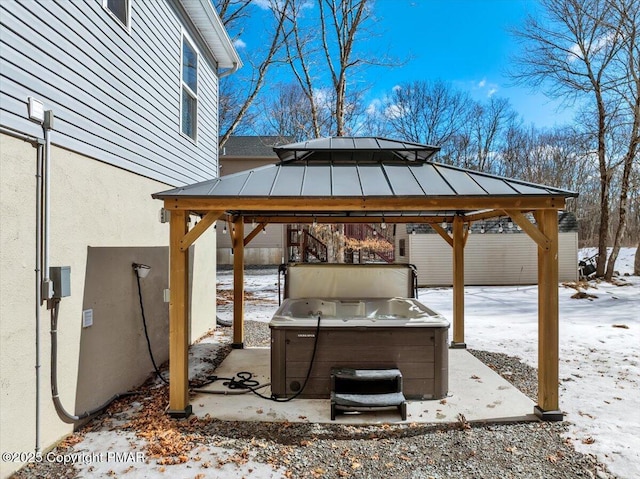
[[366, 168], [349, 148]]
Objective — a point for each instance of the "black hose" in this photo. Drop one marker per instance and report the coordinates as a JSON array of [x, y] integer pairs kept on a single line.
[[146, 333], [247, 383]]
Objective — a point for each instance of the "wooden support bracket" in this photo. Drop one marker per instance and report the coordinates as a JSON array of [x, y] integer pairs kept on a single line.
[[442, 232], [202, 226], [534, 233], [254, 233]]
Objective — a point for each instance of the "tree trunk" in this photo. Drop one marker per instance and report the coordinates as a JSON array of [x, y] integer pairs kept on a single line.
[[636, 265], [605, 183]]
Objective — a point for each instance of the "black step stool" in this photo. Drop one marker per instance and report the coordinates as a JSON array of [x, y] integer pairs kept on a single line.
[[366, 390]]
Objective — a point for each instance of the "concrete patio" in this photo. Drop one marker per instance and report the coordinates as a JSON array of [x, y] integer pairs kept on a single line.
[[475, 390]]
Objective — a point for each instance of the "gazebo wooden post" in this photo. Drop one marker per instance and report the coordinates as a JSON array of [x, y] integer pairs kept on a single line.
[[238, 283], [458, 283], [178, 317], [548, 342]]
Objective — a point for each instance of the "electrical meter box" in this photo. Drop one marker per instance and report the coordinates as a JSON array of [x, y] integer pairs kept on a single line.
[[61, 278]]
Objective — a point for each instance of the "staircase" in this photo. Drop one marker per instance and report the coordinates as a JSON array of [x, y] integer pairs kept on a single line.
[[310, 248]]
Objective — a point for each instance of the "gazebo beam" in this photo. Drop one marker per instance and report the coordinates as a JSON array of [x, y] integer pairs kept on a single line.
[[365, 203], [342, 219], [238, 283], [548, 341], [178, 317]]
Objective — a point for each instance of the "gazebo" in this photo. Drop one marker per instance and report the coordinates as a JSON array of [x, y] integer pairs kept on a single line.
[[363, 180]]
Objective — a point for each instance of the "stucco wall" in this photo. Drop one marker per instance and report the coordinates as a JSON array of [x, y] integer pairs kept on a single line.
[[102, 219]]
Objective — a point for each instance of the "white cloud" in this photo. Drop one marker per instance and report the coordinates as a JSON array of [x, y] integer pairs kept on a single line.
[[238, 43], [394, 111], [372, 108], [396, 88], [593, 49], [484, 85], [322, 97], [264, 4]]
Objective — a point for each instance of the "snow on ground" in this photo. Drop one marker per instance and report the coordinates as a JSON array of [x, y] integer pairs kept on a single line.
[[599, 349]]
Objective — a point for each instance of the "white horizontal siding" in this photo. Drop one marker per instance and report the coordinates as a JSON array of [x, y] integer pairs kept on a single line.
[[489, 259], [271, 239], [115, 95]]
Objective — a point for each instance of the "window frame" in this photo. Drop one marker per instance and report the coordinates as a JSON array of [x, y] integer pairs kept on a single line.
[[185, 87], [402, 247], [127, 25]]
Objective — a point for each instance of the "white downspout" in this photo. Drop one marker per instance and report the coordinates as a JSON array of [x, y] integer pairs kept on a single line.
[[229, 71]]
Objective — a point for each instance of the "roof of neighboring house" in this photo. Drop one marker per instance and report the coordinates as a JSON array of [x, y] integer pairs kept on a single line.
[[253, 146], [567, 223], [211, 29]]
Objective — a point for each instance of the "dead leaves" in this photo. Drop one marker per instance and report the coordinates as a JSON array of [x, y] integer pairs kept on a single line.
[[318, 472], [554, 458], [583, 295], [238, 459], [168, 441], [225, 296], [580, 286], [463, 423]]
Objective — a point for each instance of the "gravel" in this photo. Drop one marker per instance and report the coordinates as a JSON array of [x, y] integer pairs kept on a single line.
[[308, 450]]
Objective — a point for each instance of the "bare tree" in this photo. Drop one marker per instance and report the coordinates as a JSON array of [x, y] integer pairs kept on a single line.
[[488, 122], [237, 100], [481, 137], [626, 19], [321, 52], [287, 113], [342, 21], [426, 112], [572, 52], [552, 157]]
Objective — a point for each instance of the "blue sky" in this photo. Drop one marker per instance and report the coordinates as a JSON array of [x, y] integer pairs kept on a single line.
[[464, 42]]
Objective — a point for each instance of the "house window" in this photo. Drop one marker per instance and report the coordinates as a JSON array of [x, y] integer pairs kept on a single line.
[[189, 119], [119, 9], [401, 247]]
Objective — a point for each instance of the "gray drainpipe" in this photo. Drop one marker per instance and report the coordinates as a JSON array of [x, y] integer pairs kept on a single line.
[[38, 286]]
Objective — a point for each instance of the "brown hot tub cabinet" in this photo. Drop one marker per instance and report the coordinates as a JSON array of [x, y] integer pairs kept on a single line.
[[374, 333]]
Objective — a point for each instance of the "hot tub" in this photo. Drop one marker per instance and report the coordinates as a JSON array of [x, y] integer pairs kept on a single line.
[[373, 333]]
